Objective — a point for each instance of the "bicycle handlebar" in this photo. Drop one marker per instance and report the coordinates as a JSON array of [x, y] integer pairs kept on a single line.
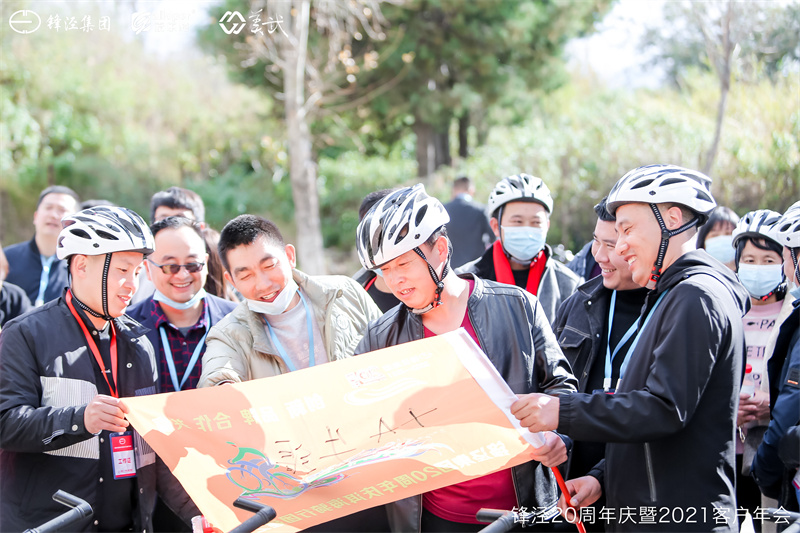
[[501, 521], [263, 514], [79, 509]]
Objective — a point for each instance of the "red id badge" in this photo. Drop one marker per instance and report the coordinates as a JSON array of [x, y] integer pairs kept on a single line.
[[122, 455]]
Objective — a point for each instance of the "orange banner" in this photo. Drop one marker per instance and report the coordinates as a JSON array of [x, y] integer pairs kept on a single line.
[[327, 441]]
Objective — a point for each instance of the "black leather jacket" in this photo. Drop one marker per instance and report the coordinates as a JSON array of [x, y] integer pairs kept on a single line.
[[515, 334]]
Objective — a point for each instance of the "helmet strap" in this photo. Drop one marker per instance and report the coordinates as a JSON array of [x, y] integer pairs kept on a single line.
[[666, 234], [106, 267], [436, 279], [793, 254], [104, 315]]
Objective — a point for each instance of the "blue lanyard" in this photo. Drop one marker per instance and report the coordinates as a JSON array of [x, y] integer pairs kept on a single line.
[[281, 351], [633, 329], [44, 279], [173, 374]]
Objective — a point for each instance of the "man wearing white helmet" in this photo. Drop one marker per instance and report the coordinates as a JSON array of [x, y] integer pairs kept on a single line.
[[669, 426], [64, 369], [520, 208], [404, 236], [774, 479]]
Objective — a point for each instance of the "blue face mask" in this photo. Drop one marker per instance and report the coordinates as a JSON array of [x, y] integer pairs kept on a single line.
[[523, 243], [760, 280], [721, 248], [160, 297], [795, 292]]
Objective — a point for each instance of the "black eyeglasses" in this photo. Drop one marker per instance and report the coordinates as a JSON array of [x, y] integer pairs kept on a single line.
[[174, 269]]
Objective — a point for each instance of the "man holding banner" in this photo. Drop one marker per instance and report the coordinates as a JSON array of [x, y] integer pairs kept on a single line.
[[670, 422], [404, 236]]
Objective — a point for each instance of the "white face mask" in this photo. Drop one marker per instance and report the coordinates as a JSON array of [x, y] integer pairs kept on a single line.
[[279, 304]]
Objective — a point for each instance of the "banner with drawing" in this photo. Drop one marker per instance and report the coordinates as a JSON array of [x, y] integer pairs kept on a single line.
[[334, 439]]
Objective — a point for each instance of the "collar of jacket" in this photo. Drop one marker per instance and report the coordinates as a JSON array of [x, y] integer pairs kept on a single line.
[[124, 325]]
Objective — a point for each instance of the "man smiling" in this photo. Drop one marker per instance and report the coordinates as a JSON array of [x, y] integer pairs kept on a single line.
[[670, 423], [180, 313], [64, 369], [595, 328], [288, 320]]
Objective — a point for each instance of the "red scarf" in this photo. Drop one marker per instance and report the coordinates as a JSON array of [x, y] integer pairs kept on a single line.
[[502, 268]]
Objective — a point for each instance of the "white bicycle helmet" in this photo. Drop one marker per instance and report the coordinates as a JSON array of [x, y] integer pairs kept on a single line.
[[103, 230], [658, 184], [522, 187], [399, 223], [787, 230], [756, 224], [787, 233]]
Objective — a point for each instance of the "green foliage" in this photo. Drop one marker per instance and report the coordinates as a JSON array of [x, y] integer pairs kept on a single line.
[[102, 115], [583, 138]]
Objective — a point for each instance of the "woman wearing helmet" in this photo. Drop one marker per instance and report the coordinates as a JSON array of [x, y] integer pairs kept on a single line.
[[669, 425], [758, 263], [65, 367], [403, 235], [520, 208], [783, 370]]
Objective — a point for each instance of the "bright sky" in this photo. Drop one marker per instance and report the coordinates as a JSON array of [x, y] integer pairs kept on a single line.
[[613, 52]]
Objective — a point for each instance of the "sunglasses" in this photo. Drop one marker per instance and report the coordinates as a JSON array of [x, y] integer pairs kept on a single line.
[[174, 269]]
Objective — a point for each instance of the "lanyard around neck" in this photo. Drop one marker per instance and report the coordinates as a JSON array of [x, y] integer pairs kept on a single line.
[[278, 346], [93, 348], [633, 329], [44, 278], [173, 374]]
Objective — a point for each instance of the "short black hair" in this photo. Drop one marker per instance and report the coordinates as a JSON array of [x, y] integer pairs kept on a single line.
[[175, 222], [90, 204], [178, 198], [462, 183], [759, 242], [244, 230], [441, 232], [58, 189], [601, 210], [720, 215], [370, 200]]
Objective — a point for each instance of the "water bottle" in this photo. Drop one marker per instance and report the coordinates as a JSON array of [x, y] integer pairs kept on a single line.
[[748, 385]]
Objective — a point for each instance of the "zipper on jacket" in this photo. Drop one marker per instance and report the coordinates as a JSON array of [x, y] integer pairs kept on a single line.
[[651, 481]]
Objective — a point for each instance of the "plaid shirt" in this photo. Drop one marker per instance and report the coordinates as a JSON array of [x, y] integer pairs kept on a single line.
[[181, 348]]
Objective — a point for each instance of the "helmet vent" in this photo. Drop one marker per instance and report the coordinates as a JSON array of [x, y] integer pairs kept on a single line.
[[642, 184], [80, 233]]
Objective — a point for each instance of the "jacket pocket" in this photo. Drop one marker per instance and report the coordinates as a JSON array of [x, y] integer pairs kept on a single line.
[[651, 478]]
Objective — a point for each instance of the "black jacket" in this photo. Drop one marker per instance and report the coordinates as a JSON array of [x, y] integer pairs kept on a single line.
[[579, 327], [557, 283], [670, 426], [46, 380], [772, 476], [516, 336], [25, 271], [468, 229]]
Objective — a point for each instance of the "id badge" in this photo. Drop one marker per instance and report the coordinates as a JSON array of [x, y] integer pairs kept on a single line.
[[122, 455]]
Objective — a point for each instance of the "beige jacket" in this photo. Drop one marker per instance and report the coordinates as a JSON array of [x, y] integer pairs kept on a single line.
[[239, 348]]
